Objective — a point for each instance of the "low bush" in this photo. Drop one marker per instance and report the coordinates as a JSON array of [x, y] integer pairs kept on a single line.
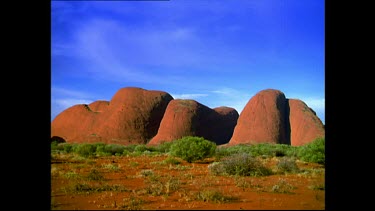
[[287, 165], [164, 147], [190, 148], [241, 164], [85, 150], [313, 152]]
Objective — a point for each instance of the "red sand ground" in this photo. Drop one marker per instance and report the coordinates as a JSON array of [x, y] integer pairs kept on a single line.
[[185, 180]]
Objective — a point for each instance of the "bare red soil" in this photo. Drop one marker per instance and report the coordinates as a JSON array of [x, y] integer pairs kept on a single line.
[[146, 182]]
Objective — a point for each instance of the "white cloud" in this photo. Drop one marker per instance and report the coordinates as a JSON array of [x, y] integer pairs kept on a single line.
[[188, 96], [315, 103], [61, 104], [66, 103], [226, 91], [115, 51], [62, 98], [58, 91], [230, 97]]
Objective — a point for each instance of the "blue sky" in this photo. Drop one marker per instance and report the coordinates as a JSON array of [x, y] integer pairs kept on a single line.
[[219, 53]]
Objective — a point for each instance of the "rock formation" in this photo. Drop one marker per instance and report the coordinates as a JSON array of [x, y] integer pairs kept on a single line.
[[132, 116], [269, 117], [263, 120], [190, 118], [139, 116], [305, 125]]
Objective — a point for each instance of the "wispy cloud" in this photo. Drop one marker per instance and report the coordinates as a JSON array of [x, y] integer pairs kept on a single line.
[[188, 96], [315, 103], [62, 99], [115, 51], [227, 91], [231, 97], [58, 91], [68, 102]]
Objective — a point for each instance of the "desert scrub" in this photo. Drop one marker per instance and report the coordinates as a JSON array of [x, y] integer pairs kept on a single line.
[[241, 165], [158, 185], [111, 167], [132, 203], [72, 175], [317, 187], [95, 175], [164, 147], [92, 188], [241, 182], [272, 150], [287, 165], [282, 186], [108, 149], [264, 150], [146, 172], [213, 196], [61, 147], [190, 148], [85, 150], [313, 152], [228, 151], [171, 160]]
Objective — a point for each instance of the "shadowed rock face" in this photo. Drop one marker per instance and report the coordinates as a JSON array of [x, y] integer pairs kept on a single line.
[[190, 118], [269, 117], [305, 125], [132, 116], [226, 121], [263, 120], [57, 139]]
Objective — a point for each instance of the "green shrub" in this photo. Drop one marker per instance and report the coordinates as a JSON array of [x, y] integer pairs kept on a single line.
[[130, 148], [140, 148], [313, 152], [171, 160], [114, 148], [125, 152], [262, 149], [269, 150], [228, 151], [68, 148], [54, 145], [100, 149], [85, 150], [241, 164], [60, 147], [192, 148], [164, 147]]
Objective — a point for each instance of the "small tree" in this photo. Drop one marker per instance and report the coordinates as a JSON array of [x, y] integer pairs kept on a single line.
[[191, 148]]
